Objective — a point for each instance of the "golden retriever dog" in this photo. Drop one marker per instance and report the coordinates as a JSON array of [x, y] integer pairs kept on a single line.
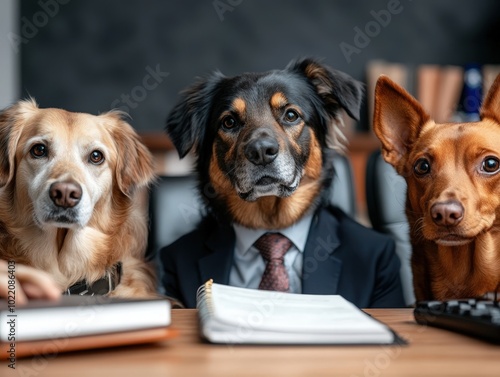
[[70, 199]]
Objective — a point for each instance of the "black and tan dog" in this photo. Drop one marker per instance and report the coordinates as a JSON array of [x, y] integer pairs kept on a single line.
[[263, 163], [260, 138]]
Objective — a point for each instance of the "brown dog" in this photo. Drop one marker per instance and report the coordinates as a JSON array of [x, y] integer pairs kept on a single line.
[[69, 198], [453, 198]]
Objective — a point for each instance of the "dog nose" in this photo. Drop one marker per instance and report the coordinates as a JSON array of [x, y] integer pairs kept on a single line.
[[447, 213], [262, 151], [65, 194]]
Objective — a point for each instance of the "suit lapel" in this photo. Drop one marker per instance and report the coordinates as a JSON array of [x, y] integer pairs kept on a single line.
[[321, 269], [217, 264]]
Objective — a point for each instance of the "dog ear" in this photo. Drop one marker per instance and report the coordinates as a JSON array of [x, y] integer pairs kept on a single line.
[[7, 146], [134, 166], [335, 87], [11, 120], [397, 120], [491, 104], [187, 122]]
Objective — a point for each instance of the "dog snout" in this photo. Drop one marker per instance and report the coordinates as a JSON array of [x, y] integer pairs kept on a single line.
[[448, 213], [65, 194], [262, 150]]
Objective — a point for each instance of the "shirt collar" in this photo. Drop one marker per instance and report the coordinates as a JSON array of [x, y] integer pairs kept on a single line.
[[297, 233]]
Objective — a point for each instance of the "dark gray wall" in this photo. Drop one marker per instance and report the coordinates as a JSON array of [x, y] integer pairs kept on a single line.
[[89, 55]]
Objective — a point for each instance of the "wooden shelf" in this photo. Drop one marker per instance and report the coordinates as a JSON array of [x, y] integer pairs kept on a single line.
[[157, 141], [360, 147]]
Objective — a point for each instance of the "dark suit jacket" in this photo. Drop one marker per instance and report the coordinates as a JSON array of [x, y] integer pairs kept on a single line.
[[340, 257]]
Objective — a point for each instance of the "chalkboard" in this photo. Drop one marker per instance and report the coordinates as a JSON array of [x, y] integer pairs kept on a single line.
[[94, 55]]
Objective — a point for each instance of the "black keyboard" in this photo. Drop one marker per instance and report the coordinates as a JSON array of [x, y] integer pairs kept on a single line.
[[474, 317]]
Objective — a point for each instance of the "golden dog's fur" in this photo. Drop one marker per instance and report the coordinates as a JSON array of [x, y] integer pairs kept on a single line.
[[452, 171], [100, 155]]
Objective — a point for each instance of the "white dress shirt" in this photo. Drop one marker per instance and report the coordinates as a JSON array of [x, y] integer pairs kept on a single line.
[[248, 265]]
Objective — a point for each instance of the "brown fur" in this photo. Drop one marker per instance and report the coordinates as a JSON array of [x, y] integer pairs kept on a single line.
[[459, 258], [116, 229], [278, 100], [239, 105], [272, 212]]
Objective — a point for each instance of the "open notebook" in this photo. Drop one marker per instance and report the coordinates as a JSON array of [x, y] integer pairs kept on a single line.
[[234, 315]]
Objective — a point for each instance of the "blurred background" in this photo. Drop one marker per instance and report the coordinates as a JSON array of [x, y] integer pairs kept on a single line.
[[90, 55], [94, 55]]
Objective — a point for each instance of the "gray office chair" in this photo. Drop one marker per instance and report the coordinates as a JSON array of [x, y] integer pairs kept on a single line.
[[385, 199], [175, 207]]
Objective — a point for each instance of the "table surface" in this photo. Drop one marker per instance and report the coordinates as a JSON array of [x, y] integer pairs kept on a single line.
[[430, 352]]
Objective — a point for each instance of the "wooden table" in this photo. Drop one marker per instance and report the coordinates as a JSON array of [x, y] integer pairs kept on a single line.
[[430, 352]]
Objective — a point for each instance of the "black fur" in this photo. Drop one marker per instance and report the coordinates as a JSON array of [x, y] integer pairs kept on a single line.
[[320, 91]]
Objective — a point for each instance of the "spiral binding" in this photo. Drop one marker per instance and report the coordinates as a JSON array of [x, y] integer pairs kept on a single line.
[[204, 302]]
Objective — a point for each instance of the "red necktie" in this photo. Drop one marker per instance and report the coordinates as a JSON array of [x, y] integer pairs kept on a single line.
[[273, 247]]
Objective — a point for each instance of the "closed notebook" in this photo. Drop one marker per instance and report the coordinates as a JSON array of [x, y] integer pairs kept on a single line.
[[234, 315], [81, 322]]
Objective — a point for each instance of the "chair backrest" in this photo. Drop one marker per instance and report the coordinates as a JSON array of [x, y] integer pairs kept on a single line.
[[385, 199], [175, 207], [343, 190], [174, 210]]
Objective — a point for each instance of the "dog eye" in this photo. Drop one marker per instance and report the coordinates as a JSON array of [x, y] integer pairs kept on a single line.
[[490, 165], [96, 157], [291, 116], [422, 167], [38, 151], [228, 122]]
